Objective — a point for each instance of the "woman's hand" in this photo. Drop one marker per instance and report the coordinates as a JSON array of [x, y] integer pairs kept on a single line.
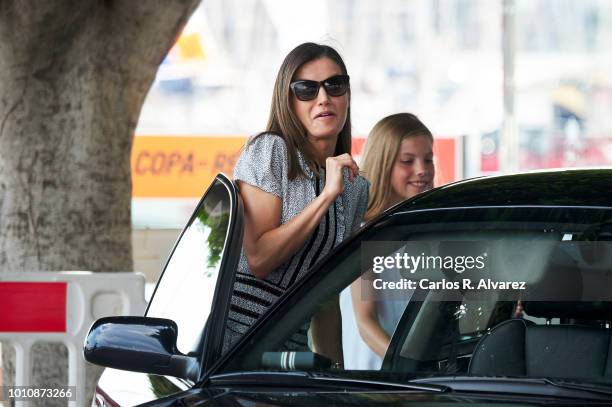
[[334, 177]]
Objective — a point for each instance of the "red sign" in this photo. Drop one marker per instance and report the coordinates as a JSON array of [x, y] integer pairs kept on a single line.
[[33, 306]]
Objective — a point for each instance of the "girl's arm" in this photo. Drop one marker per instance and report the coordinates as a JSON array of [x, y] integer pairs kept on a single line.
[[366, 317]]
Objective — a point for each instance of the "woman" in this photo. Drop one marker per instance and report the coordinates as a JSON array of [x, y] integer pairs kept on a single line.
[[301, 189], [398, 162]]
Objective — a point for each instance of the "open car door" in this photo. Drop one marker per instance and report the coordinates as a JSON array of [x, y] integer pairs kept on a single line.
[[182, 330]]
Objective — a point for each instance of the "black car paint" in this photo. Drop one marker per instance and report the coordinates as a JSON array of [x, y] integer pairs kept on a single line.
[[546, 188], [270, 396], [584, 188], [153, 349]]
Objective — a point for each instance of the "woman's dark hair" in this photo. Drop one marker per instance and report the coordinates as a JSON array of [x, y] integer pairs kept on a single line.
[[285, 123]]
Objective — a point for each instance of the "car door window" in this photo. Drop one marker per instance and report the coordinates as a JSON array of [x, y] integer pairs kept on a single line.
[[438, 330], [186, 288]]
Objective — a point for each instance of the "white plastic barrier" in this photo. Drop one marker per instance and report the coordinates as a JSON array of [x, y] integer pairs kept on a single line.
[[60, 307]]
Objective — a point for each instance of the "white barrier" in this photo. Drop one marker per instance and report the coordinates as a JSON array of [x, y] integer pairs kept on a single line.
[[86, 297]]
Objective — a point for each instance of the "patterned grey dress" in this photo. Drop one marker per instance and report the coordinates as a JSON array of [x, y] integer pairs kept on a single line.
[[263, 164]]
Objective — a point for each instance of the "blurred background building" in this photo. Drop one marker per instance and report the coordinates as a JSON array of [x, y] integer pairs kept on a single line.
[[444, 60]]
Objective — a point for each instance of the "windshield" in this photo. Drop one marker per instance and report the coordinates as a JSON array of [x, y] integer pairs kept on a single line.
[[499, 292]]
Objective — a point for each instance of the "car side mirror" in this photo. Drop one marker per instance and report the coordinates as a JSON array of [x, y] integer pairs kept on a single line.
[[139, 344]]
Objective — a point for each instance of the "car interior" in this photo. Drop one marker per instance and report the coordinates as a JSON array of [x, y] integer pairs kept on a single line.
[[557, 329]]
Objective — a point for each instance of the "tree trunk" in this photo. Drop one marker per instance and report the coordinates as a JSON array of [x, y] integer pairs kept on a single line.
[[73, 78]]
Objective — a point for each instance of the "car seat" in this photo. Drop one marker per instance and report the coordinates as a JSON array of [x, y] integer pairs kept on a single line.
[[519, 348], [577, 348]]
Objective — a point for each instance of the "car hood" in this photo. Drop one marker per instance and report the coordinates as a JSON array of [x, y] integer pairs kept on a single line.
[[284, 397]]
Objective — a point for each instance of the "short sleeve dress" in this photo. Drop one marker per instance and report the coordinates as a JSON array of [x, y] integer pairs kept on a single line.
[[263, 164]]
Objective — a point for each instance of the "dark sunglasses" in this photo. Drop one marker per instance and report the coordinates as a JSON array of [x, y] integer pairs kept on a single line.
[[305, 90]]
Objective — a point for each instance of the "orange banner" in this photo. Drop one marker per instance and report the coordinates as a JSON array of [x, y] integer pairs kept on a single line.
[[180, 166], [184, 166]]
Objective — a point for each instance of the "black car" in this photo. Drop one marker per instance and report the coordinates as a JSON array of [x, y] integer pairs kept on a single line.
[[505, 292]]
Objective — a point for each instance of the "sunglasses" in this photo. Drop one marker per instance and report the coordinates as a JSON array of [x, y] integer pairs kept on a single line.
[[305, 90]]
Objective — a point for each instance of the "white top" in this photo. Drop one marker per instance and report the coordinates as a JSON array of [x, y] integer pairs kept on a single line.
[[389, 308]]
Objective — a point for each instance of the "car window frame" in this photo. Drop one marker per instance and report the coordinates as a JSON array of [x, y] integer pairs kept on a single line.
[[321, 269], [212, 346]]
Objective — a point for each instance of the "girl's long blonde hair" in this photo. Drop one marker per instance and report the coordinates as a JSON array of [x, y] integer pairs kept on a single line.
[[379, 156]]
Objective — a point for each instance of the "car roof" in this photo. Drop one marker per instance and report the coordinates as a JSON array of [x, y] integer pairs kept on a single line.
[[564, 187]]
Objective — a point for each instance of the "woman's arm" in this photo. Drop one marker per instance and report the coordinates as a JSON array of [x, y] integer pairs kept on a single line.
[[366, 317], [267, 243]]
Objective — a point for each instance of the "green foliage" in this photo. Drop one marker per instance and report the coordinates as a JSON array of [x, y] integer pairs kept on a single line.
[[217, 224], [162, 387]]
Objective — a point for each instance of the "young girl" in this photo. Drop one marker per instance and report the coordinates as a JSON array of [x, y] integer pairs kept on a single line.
[[398, 162]]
